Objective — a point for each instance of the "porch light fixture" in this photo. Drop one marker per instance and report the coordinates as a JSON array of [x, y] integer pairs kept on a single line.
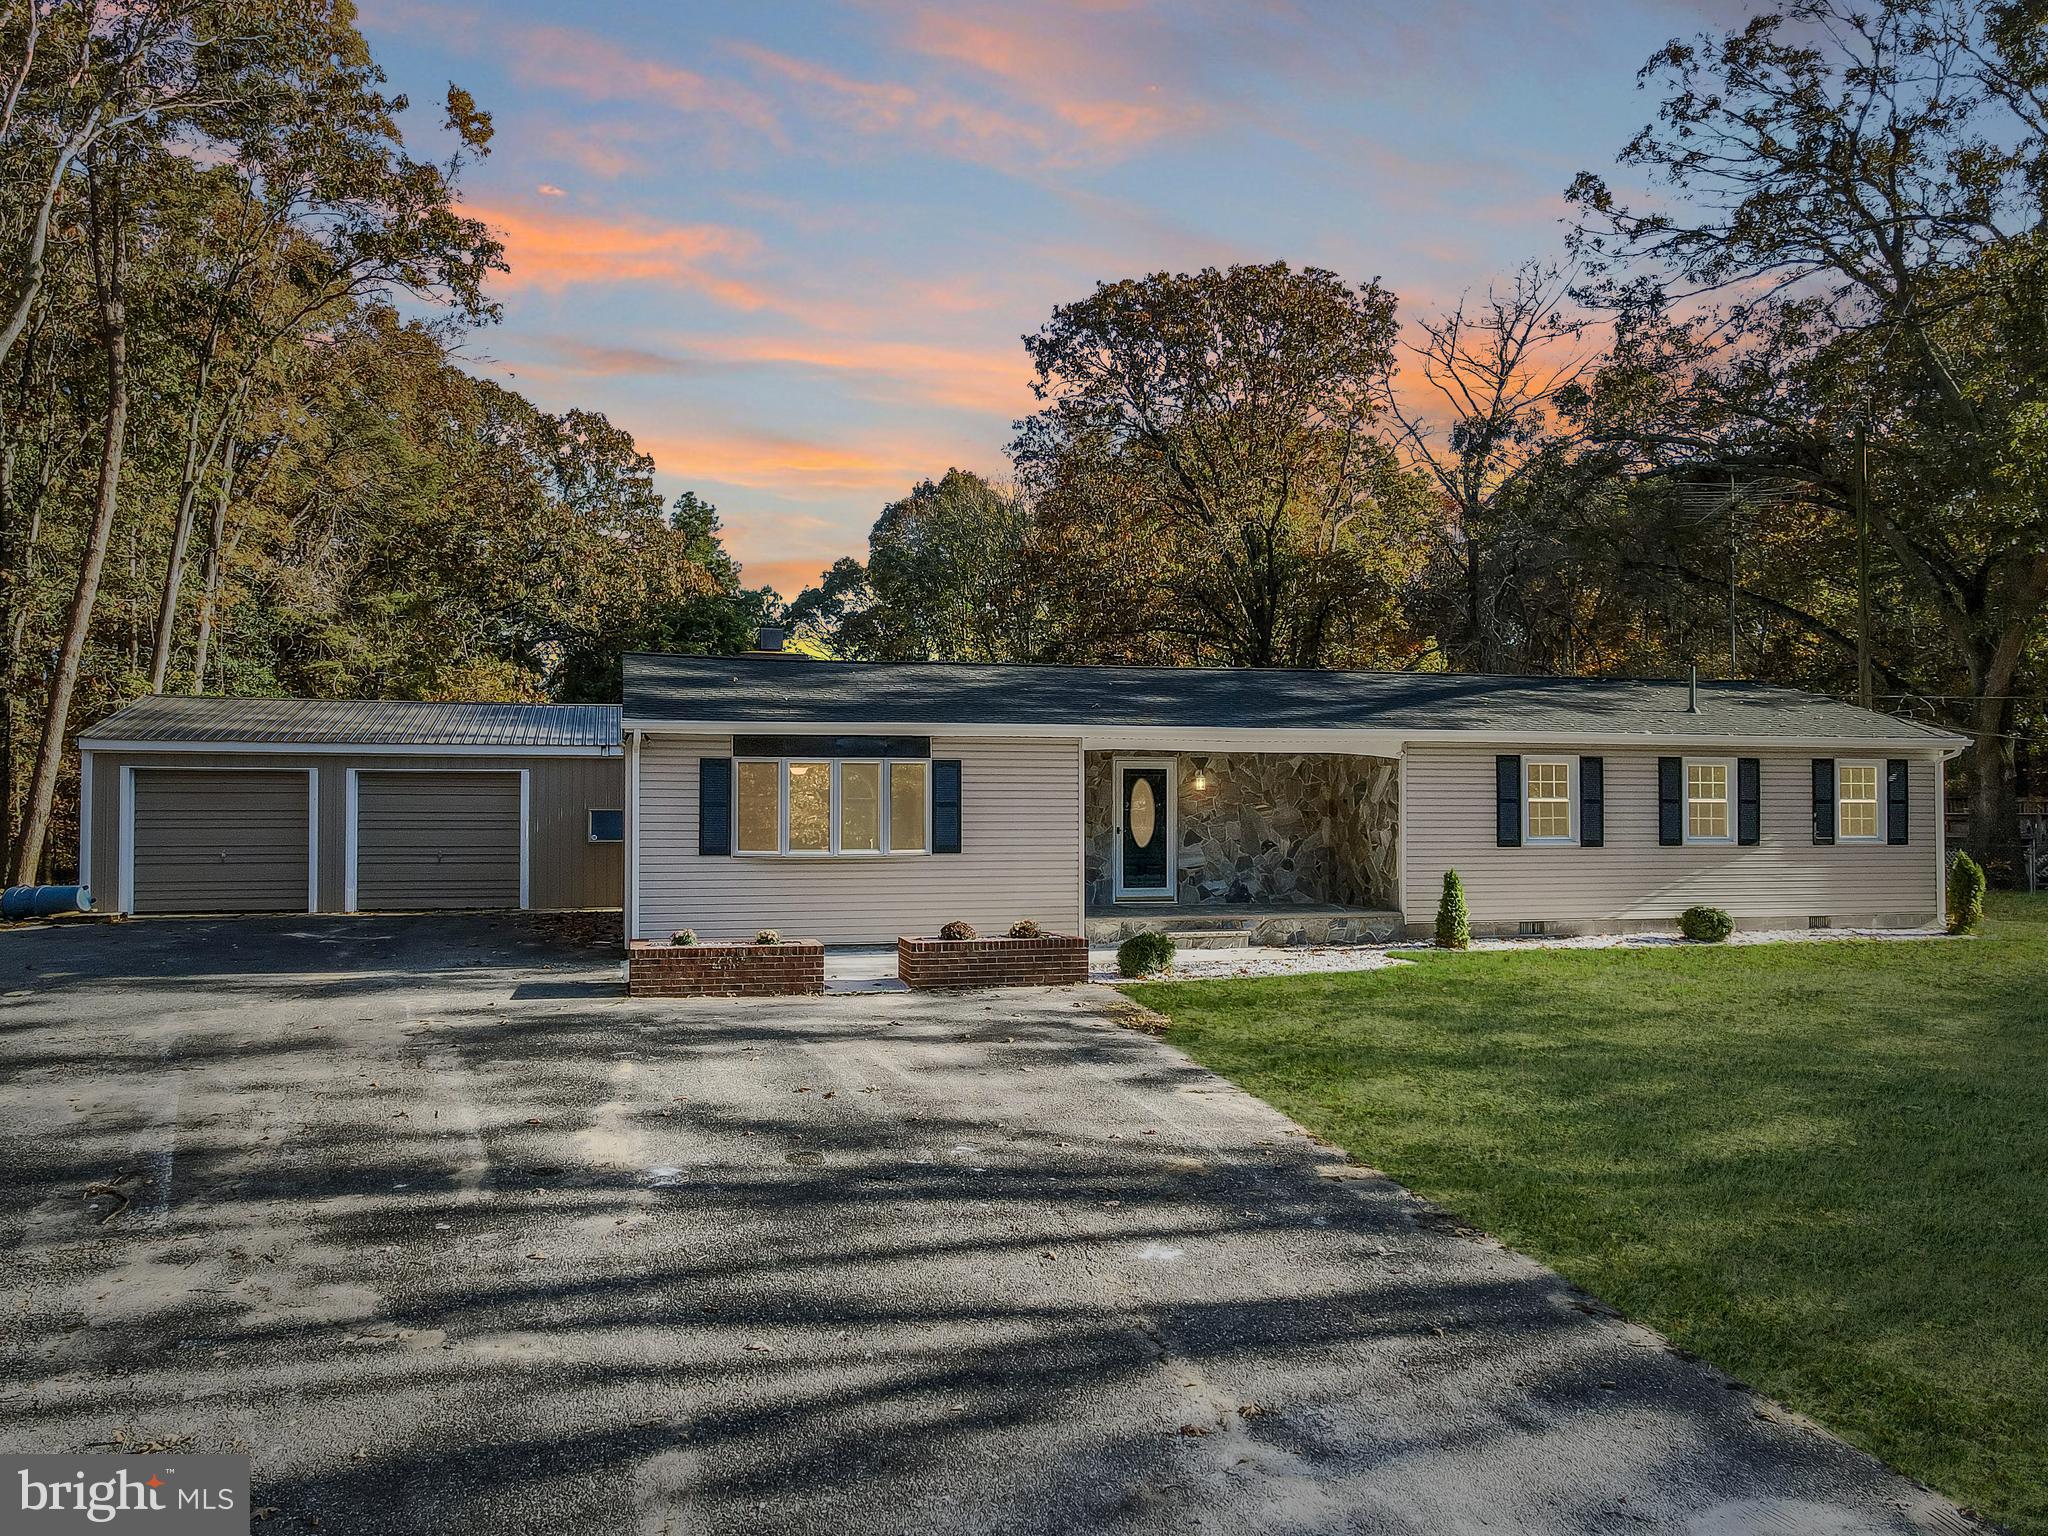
[[1201, 779]]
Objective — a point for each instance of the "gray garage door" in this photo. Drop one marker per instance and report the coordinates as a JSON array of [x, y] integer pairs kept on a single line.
[[436, 840], [220, 841]]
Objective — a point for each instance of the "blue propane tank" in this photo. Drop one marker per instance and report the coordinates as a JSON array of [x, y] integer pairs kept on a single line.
[[20, 901]]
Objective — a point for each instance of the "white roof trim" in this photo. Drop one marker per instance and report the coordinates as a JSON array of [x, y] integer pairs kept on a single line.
[[1382, 743]]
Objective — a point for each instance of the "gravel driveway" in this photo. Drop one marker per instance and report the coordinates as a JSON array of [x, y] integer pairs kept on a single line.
[[451, 1236]]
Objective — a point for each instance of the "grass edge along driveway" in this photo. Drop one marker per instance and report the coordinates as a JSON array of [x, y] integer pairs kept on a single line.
[[1823, 1167]]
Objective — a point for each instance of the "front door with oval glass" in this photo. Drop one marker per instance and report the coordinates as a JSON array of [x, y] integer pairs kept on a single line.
[[1144, 833]]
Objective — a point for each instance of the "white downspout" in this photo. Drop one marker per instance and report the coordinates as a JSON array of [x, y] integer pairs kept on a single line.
[[632, 892]]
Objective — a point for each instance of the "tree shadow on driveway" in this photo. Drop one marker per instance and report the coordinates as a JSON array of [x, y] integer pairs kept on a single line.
[[443, 1249]]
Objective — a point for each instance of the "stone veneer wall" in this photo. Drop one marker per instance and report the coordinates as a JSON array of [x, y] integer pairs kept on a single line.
[[1288, 828]]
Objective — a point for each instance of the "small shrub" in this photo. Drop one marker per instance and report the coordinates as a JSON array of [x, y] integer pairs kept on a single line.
[[957, 930], [768, 936], [683, 936], [1025, 928], [1453, 922], [1705, 925], [1144, 953], [1965, 893]]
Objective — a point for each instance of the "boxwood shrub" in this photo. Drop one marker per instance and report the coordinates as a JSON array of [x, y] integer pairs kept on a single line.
[[1705, 925], [1143, 953]]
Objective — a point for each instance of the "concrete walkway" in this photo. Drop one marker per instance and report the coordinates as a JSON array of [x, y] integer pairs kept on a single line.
[[450, 1236]]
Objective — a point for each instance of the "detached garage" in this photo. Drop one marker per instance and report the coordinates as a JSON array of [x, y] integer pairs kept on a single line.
[[311, 805]]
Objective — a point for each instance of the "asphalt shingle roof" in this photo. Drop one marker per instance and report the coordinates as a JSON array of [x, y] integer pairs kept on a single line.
[[783, 691], [360, 722]]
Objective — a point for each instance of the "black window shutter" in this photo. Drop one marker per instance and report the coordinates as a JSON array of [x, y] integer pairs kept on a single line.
[[1895, 793], [714, 805], [945, 805], [1507, 801], [1748, 801], [1592, 802], [1670, 801], [1823, 800]]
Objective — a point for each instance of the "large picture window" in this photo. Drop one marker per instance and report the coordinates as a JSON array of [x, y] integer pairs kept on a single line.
[[1857, 818], [826, 807], [1706, 803]]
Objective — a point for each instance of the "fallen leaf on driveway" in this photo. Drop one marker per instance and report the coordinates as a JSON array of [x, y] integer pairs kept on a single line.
[[760, 1347]]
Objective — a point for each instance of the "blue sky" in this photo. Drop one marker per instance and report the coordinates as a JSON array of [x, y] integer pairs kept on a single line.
[[792, 247]]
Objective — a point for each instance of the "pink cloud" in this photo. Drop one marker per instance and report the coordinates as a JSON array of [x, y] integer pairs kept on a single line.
[[1054, 60], [552, 249], [798, 468], [597, 69], [936, 119], [787, 577], [555, 249], [995, 382]]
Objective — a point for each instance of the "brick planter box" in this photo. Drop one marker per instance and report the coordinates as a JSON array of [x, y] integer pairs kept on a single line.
[[1056, 960], [724, 970]]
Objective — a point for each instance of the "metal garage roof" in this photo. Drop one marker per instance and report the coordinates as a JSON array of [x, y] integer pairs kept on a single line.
[[357, 722], [780, 690]]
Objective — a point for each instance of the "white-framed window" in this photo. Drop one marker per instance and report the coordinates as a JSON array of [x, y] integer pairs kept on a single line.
[[1859, 803], [910, 806], [757, 805], [1709, 803], [1549, 800], [821, 807], [606, 827]]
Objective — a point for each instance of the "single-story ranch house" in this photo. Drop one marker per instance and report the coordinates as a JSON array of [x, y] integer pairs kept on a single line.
[[854, 802]]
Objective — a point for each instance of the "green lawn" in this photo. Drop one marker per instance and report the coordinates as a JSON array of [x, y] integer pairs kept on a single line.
[[1824, 1167]]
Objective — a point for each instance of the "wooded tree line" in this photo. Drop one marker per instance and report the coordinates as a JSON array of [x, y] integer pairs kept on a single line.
[[236, 452], [1782, 414]]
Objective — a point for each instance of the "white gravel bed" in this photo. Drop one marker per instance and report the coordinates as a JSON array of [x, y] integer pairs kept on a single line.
[[1229, 964]]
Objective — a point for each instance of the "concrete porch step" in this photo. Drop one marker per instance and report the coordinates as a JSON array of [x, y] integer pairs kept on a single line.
[[1211, 938], [1188, 922]]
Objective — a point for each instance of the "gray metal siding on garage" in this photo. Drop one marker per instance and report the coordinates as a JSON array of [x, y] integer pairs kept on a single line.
[[1020, 855], [1448, 822], [565, 871], [214, 841], [448, 839]]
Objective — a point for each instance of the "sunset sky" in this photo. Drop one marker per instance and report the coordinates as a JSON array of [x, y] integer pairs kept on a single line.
[[792, 247]]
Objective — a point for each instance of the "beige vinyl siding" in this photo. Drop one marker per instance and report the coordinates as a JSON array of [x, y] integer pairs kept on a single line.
[[1448, 822], [1020, 855], [565, 870]]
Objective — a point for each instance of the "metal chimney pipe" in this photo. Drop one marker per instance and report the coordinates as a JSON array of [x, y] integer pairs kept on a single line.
[[1692, 691]]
